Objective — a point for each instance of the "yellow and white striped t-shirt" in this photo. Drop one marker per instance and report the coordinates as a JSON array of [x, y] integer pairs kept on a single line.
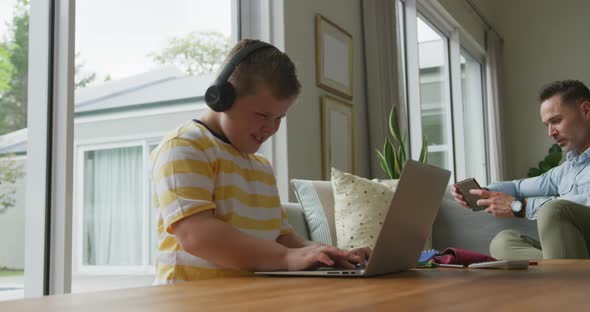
[[193, 170]]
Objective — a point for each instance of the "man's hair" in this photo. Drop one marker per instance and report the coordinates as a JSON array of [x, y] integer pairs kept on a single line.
[[268, 66], [570, 91]]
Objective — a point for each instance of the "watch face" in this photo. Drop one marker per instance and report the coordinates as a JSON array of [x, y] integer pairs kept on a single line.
[[516, 205]]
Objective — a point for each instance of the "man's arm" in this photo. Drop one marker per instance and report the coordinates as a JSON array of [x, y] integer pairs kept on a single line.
[[205, 236]]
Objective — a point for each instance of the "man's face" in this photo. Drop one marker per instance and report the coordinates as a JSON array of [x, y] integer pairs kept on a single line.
[[568, 124], [252, 119]]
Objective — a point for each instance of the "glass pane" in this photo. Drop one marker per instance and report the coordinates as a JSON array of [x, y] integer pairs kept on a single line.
[[473, 118], [142, 68], [435, 93], [112, 210], [14, 42]]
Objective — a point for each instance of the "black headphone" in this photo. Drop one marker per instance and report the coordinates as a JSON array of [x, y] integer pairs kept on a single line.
[[221, 94]]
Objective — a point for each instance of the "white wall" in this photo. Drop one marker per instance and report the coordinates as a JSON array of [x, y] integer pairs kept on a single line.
[[544, 40], [304, 118]]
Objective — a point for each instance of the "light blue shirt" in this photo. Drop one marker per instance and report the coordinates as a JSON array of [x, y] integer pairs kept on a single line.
[[569, 181]]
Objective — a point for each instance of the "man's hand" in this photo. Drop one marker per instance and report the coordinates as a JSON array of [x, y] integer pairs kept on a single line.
[[317, 255], [458, 197], [497, 203]]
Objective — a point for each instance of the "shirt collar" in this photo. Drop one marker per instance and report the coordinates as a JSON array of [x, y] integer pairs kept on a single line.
[[575, 156]]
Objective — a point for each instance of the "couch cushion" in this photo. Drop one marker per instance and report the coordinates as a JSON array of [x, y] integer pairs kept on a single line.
[[456, 226], [296, 219], [359, 210], [317, 200]]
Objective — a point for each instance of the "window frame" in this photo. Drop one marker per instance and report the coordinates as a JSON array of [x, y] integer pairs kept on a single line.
[[458, 40], [50, 150], [78, 264]]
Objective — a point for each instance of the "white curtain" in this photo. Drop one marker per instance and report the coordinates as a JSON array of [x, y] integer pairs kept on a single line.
[[382, 73], [113, 216], [494, 102]]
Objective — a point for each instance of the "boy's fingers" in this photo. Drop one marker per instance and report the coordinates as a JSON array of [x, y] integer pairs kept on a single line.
[[323, 258]]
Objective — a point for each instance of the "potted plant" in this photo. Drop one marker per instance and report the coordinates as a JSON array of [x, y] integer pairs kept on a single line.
[[551, 160], [392, 160]]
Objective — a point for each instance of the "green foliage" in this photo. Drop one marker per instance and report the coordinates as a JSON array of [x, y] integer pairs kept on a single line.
[[392, 160], [6, 69], [13, 101], [14, 67], [551, 160], [197, 53], [81, 79], [10, 171]]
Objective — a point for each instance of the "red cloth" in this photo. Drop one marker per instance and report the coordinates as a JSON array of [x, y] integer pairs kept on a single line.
[[461, 257]]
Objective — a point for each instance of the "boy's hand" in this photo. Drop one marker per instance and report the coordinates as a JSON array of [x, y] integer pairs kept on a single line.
[[364, 253], [313, 256]]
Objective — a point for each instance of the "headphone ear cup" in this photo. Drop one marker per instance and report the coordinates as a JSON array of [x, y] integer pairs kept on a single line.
[[220, 97], [228, 96]]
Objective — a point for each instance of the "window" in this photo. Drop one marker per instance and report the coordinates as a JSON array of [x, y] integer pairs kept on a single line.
[[135, 83], [14, 36], [435, 105], [445, 91], [473, 118]]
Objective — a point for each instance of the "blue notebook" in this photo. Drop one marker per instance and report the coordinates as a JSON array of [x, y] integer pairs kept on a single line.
[[427, 255]]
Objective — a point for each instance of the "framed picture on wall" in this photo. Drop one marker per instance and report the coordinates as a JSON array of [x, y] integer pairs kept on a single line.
[[333, 58], [337, 136]]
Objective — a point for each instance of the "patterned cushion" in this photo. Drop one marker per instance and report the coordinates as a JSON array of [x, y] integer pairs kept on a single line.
[[317, 200], [360, 207]]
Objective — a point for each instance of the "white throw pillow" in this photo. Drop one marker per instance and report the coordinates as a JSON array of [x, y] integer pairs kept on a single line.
[[360, 206]]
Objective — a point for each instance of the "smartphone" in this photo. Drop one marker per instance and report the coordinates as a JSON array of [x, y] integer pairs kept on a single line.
[[464, 187]]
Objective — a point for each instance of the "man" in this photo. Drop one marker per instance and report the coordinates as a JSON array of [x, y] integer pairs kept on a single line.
[[559, 199]]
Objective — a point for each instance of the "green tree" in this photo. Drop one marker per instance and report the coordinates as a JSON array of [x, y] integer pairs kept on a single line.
[[81, 80], [5, 69], [10, 171], [13, 101], [197, 53], [13, 76]]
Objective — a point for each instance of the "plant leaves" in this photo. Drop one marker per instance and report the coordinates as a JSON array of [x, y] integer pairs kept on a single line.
[[394, 124], [424, 151], [389, 154], [383, 163]]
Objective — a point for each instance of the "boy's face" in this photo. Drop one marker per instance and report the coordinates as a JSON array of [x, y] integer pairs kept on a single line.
[[252, 119]]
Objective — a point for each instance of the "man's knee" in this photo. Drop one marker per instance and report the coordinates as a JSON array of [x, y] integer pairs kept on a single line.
[[501, 245], [552, 209], [551, 212]]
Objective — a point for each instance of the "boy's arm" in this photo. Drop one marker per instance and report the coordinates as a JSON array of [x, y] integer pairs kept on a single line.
[[293, 240], [205, 236]]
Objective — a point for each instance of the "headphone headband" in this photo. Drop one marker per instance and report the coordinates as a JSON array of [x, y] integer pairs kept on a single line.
[[237, 58], [221, 95]]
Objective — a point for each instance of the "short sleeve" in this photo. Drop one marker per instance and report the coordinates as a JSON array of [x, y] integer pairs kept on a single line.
[[182, 180]]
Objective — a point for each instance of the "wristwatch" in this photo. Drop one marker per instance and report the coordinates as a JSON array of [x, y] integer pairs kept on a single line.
[[518, 208]]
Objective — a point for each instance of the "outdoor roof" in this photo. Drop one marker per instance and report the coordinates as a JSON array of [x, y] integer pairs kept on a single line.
[[157, 88]]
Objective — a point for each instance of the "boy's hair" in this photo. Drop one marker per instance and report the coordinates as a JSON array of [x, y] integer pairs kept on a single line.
[[571, 91], [268, 66]]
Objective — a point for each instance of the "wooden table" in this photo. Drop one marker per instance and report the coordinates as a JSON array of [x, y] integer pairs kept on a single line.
[[553, 285]]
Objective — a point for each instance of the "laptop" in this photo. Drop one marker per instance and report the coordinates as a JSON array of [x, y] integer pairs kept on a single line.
[[406, 227]]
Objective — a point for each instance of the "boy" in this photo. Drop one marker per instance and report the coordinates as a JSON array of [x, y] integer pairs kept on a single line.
[[219, 213]]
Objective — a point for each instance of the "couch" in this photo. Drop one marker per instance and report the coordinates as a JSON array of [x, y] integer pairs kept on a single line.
[[454, 226]]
